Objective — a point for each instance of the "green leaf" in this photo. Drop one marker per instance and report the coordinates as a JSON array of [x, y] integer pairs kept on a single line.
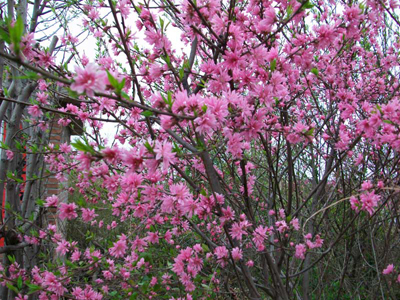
[[161, 24], [167, 60], [126, 96], [176, 148], [33, 288], [4, 36], [113, 81], [138, 9], [81, 202], [289, 10], [10, 175], [13, 288], [273, 65], [169, 98], [32, 217], [11, 258], [147, 113], [204, 108], [206, 249], [181, 73], [40, 202], [315, 71], [16, 32], [84, 147], [308, 5], [19, 282], [200, 145], [310, 132], [29, 75], [72, 93], [18, 145], [148, 147], [134, 296], [4, 146], [34, 148], [121, 85]]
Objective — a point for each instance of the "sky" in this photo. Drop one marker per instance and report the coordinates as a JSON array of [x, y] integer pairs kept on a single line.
[[109, 130]]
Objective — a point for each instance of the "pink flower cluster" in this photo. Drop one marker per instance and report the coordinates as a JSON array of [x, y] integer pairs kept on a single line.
[[187, 265], [301, 249]]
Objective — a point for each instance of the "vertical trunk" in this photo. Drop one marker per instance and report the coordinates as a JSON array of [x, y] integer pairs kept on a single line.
[[12, 190], [310, 227], [216, 188]]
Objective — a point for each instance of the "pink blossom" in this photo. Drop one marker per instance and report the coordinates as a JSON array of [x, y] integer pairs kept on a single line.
[[153, 237], [75, 256], [119, 248], [62, 247], [206, 123], [318, 241], [89, 80], [282, 226], [259, 236], [389, 269], [295, 224], [35, 111], [369, 201], [221, 252], [9, 154], [51, 201], [88, 214], [300, 251], [250, 263], [21, 297], [237, 231], [354, 203], [164, 151], [366, 185], [237, 253], [67, 211]]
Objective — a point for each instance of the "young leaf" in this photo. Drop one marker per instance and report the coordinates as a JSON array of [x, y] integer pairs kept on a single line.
[[310, 132], [146, 113], [11, 258], [308, 5], [113, 81], [16, 32], [273, 65], [148, 147], [315, 71], [33, 288], [13, 288], [4, 36], [84, 147], [19, 282]]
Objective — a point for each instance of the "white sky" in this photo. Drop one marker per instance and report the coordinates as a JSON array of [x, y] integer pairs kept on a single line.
[[88, 48]]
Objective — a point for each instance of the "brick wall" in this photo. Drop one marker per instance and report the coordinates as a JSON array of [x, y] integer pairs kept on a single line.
[[58, 135]]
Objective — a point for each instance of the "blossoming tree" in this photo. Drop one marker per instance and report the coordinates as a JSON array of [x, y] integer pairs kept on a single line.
[[259, 162]]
